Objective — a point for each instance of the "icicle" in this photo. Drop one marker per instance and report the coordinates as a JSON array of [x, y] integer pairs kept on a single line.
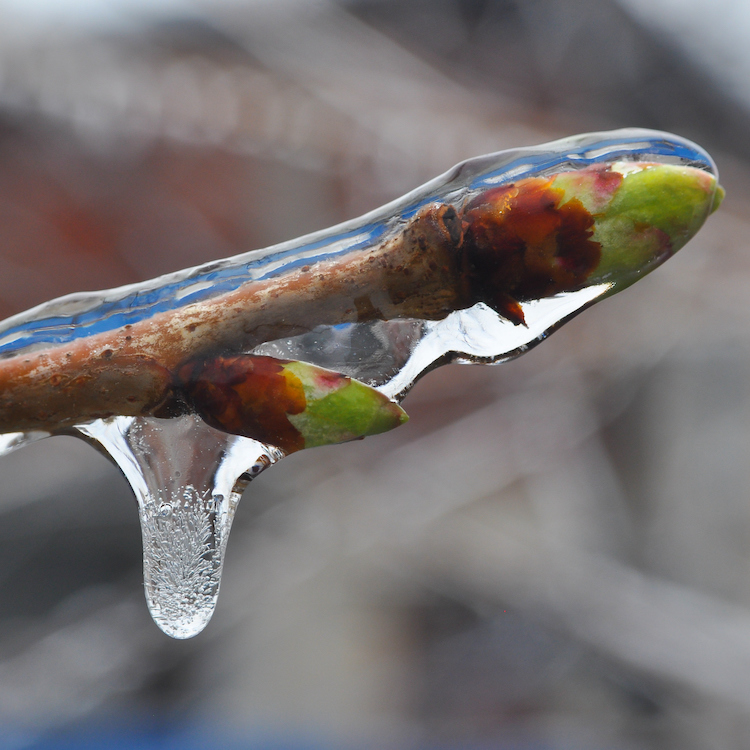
[[187, 478]]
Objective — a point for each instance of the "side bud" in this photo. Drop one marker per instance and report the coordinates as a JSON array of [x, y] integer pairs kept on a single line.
[[291, 405]]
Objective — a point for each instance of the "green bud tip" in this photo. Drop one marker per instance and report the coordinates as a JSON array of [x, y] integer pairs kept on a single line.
[[643, 213]]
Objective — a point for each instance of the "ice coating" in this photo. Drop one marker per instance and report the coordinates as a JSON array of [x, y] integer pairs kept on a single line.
[[224, 368]]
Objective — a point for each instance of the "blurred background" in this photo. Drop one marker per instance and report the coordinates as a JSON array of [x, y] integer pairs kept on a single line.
[[551, 555]]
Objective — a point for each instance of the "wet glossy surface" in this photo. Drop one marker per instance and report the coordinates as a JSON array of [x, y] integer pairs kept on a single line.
[[195, 381]]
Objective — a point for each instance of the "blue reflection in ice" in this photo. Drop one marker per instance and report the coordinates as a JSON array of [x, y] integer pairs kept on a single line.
[[80, 315]]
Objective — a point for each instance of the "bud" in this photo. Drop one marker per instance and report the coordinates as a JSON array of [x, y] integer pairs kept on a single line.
[[608, 223], [291, 405]]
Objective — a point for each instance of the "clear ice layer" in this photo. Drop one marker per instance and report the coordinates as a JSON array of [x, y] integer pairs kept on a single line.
[[392, 356], [186, 475], [88, 314]]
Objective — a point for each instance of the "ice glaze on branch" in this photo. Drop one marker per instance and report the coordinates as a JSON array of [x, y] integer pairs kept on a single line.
[[533, 238]]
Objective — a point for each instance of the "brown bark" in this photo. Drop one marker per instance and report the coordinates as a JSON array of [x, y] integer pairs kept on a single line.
[[131, 371]]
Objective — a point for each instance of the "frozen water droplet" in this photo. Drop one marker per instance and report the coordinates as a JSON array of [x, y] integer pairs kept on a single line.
[[181, 567], [187, 478]]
